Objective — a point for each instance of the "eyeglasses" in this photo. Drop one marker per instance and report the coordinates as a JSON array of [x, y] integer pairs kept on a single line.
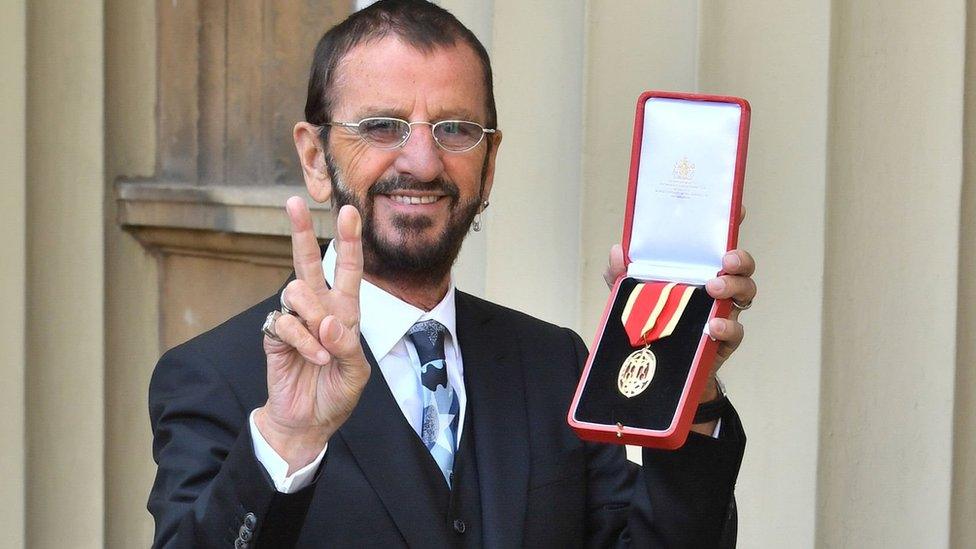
[[390, 133]]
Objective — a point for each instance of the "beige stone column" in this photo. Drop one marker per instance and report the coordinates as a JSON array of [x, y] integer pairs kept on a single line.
[[65, 281], [890, 293], [533, 224], [775, 53], [963, 527], [132, 318], [13, 267]]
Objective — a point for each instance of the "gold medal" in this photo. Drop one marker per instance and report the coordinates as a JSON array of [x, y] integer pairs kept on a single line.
[[652, 312], [637, 372]]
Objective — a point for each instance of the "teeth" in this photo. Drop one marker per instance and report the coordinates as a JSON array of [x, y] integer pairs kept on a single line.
[[413, 199]]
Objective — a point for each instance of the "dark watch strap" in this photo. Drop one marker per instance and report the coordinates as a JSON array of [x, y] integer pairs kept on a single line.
[[711, 410]]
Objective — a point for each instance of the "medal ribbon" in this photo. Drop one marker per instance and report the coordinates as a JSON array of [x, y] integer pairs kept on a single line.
[[653, 310]]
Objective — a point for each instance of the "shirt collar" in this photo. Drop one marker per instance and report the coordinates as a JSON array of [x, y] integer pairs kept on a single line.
[[384, 318]]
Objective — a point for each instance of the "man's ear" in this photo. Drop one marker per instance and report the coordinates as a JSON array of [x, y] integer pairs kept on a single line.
[[495, 141], [312, 158]]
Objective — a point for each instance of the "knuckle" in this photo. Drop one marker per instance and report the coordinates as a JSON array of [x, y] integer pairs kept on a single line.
[[272, 346], [742, 284], [288, 329], [285, 326], [350, 261], [293, 332], [289, 293], [306, 256], [296, 287], [306, 341], [749, 262]]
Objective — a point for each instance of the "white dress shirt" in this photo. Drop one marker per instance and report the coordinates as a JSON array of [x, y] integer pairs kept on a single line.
[[384, 322]]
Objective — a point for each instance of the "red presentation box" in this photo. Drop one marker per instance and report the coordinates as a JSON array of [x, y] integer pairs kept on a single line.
[[683, 201]]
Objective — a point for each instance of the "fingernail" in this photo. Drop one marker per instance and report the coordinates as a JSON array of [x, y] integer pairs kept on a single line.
[[717, 326], [322, 357], [733, 261], [333, 331], [718, 285]]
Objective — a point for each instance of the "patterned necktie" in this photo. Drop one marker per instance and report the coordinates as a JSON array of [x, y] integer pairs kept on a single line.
[[440, 415]]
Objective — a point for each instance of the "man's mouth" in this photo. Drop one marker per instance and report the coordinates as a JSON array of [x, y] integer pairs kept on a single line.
[[413, 199]]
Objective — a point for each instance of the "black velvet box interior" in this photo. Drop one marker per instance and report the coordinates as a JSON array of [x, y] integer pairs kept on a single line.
[[601, 402]]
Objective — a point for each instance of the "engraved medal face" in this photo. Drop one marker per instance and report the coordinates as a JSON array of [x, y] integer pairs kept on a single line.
[[637, 372]]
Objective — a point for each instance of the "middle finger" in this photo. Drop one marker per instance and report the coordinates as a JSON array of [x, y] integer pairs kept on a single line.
[[739, 262], [740, 288]]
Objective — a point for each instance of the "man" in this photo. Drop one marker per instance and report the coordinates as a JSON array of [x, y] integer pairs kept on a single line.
[[384, 408]]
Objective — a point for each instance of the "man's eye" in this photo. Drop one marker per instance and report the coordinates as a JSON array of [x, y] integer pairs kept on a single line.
[[451, 128], [381, 127]]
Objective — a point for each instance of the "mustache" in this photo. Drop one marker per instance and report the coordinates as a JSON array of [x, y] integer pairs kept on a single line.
[[407, 183]]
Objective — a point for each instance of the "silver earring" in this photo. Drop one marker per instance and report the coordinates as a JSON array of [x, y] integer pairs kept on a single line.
[[476, 225]]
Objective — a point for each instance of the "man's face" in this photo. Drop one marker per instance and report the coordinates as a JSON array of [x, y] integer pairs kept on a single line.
[[417, 201]]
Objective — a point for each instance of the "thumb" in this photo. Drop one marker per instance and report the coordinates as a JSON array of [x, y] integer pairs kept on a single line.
[[615, 265]]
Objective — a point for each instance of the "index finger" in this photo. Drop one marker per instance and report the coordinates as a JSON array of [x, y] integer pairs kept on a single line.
[[349, 251], [304, 246]]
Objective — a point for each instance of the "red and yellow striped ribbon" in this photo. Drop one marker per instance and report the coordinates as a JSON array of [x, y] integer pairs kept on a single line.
[[653, 310]]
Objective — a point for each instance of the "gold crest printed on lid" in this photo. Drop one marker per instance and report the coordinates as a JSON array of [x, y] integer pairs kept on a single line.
[[637, 372], [683, 170]]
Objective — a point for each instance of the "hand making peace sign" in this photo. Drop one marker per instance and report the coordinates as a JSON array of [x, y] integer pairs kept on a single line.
[[316, 367]]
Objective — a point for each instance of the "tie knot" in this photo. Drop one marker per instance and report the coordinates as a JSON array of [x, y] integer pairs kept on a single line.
[[428, 337]]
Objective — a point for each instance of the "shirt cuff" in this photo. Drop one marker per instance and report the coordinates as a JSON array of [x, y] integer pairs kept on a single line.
[[718, 428], [721, 392], [277, 467]]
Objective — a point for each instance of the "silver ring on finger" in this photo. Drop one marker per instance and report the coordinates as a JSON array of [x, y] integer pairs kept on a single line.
[[268, 328], [285, 309], [741, 306]]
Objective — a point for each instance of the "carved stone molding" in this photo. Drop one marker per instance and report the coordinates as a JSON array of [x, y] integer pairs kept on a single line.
[[219, 248], [243, 223]]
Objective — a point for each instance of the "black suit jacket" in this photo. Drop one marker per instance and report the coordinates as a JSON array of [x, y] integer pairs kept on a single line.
[[540, 485]]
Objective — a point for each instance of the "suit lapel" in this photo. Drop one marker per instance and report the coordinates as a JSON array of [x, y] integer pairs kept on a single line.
[[495, 386], [391, 457]]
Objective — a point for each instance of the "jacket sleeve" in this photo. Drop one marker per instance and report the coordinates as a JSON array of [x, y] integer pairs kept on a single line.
[[678, 498], [210, 490]]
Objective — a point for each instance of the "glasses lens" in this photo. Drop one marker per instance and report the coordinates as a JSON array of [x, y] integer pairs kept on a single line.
[[457, 135], [384, 132]]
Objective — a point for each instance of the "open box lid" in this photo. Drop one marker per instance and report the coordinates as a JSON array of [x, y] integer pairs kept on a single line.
[[686, 172]]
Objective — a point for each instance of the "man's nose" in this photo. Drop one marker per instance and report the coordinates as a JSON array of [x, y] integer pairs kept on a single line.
[[420, 156]]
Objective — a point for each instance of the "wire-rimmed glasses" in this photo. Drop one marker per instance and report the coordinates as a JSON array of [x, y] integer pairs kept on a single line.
[[389, 133]]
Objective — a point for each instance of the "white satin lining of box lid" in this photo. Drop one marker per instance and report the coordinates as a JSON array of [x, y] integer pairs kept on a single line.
[[684, 190]]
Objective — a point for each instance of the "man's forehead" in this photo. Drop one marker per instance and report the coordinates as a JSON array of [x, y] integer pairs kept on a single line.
[[389, 77]]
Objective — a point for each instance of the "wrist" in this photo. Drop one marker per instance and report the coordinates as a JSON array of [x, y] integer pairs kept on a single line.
[[711, 391], [711, 406], [297, 446]]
